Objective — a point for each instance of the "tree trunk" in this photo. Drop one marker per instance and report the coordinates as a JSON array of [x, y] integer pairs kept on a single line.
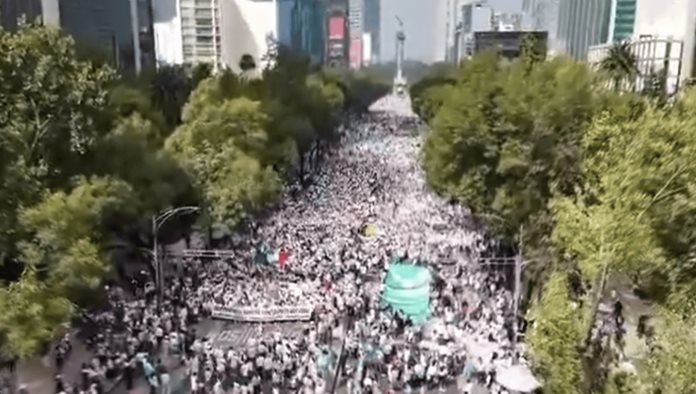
[[595, 303], [588, 358]]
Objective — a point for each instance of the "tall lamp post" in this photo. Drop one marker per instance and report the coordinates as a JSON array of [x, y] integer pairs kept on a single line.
[[157, 222]]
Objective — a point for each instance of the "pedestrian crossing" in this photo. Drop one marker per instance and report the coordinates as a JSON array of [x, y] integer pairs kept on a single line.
[[238, 335], [235, 337]]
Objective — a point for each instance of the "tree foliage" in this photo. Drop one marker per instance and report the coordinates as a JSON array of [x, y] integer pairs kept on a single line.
[[50, 117], [635, 215], [620, 65], [554, 337], [32, 313], [507, 139], [219, 146], [672, 362], [429, 94], [602, 186]]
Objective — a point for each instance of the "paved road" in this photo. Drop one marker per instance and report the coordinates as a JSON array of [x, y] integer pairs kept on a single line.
[[38, 373], [233, 334]]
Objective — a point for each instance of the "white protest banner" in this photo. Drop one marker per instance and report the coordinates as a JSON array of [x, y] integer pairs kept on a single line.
[[260, 314]]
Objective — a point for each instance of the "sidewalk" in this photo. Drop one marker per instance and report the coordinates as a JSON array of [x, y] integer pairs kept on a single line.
[[140, 385], [38, 374]]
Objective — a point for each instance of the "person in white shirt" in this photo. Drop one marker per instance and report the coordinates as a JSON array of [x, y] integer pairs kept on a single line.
[[194, 383]]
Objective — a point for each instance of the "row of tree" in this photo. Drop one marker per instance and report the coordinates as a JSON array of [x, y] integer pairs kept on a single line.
[[87, 156], [595, 185]]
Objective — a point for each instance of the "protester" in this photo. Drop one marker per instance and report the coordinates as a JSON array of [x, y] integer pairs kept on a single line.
[[327, 248]]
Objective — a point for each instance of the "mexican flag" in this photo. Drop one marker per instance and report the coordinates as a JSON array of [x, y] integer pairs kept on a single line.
[[282, 258], [279, 257]]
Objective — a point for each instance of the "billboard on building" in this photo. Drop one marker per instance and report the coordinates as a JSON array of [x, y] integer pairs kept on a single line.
[[355, 53], [508, 43], [337, 28]]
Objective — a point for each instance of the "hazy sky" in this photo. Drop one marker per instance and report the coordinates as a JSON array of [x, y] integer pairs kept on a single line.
[[420, 20]]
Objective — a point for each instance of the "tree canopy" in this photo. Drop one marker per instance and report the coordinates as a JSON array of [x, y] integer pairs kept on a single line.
[[594, 182]]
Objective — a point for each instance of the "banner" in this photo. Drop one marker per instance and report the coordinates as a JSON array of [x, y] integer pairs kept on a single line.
[[255, 314]]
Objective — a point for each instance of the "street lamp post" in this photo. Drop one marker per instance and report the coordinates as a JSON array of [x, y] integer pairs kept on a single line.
[[157, 222], [519, 264]]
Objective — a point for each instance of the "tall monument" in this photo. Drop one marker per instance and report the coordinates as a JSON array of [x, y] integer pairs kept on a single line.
[[399, 79]]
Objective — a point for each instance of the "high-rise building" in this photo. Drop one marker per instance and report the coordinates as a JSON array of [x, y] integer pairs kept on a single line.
[[307, 25], [476, 17], [367, 49], [508, 44], [663, 40], [200, 32], [507, 22], [581, 24], [166, 23], [337, 37], [249, 27], [372, 25], [14, 11], [355, 29], [541, 15], [118, 30], [220, 32], [121, 29], [355, 18], [452, 19], [623, 20], [440, 38]]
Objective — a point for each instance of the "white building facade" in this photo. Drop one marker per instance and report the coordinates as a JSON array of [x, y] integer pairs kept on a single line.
[[200, 32], [217, 32], [439, 30], [542, 15], [249, 27], [663, 41], [477, 16], [367, 49]]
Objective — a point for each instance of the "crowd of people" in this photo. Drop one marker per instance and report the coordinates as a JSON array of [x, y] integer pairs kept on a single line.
[[333, 264]]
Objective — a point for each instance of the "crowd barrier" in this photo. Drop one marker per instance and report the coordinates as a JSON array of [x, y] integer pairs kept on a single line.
[[265, 315]]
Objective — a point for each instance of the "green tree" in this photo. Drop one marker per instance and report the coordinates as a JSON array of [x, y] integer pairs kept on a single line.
[[53, 103], [638, 191], [620, 64], [554, 336], [51, 117], [170, 88], [126, 101], [650, 170], [507, 139], [219, 146], [64, 261], [33, 313], [199, 73], [68, 228], [247, 63], [429, 94], [672, 362], [131, 152], [655, 86], [533, 51]]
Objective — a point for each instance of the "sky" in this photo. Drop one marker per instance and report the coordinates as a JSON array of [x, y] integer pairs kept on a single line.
[[420, 21]]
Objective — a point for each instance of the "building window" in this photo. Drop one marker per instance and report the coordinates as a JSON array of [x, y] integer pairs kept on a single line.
[[204, 21]]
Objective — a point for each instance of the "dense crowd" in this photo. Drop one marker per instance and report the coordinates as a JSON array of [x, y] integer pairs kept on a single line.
[[332, 263]]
